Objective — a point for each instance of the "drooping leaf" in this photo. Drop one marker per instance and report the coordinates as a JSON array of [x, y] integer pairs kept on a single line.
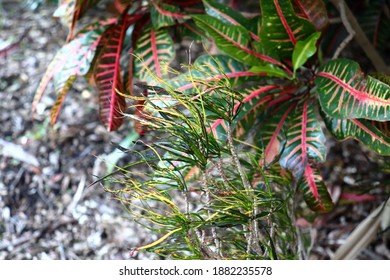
[[61, 89], [370, 133], [282, 28], [305, 140], [305, 49], [154, 51], [314, 190], [313, 10], [73, 59], [108, 77], [345, 92], [70, 11], [234, 40]]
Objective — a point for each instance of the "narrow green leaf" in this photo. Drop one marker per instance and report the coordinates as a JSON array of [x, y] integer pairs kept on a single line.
[[234, 40], [305, 49]]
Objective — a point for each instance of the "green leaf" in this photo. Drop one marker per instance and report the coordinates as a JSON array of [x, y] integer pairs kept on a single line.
[[254, 99], [163, 15], [305, 140], [272, 71], [305, 49], [153, 52], [234, 40], [373, 134], [271, 132], [282, 28], [212, 69], [314, 190], [228, 15], [345, 92]]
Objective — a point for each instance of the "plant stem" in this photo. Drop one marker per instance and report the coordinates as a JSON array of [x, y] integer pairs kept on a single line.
[[208, 203], [350, 20], [237, 161]]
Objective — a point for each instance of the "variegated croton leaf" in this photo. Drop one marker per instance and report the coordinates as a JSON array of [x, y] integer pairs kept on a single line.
[[282, 28], [346, 93], [72, 60], [70, 11], [108, 77], [373, 134], [305, 145], [153, 52]]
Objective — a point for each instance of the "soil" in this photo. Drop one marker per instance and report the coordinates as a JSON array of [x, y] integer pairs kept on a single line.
[[47, 208]]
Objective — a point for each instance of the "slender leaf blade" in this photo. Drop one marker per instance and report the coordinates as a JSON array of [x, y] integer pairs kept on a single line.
[[61, 89]]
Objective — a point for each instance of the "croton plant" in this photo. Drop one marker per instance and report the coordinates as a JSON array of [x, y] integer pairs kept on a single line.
[[272, 59]]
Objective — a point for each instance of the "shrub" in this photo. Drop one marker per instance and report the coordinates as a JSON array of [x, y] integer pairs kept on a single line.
[[243, 127]]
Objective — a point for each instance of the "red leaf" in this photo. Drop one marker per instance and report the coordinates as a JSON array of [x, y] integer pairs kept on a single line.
[[108, 77]]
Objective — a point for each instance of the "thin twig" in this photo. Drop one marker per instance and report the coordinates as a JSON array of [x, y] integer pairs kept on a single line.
[[236, 160], [350, 20], [208, 202], [351, 32], [249, 237]]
